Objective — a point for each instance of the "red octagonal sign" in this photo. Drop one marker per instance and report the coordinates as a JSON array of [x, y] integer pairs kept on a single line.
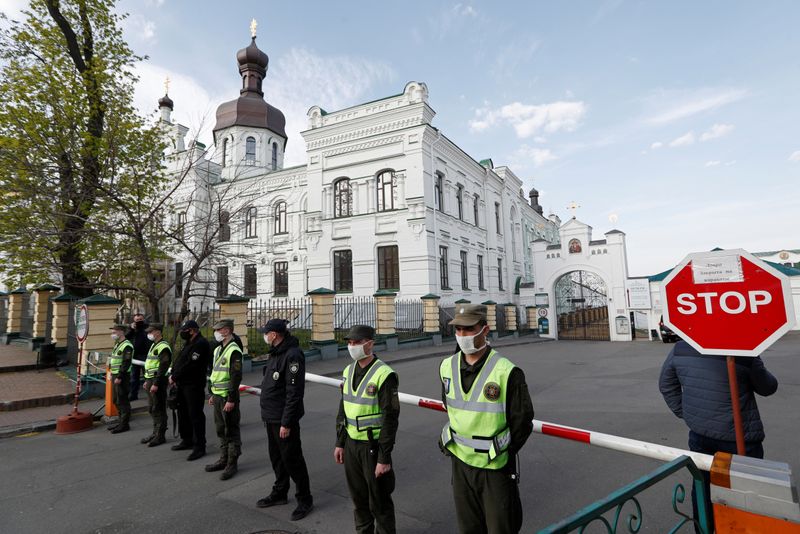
[[727, 302]]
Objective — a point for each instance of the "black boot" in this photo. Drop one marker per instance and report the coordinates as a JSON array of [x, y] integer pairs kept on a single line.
[[219, 465], [182, 446], [148, 439], [158, 440], [112, 427], [303, 509], [121, 428], [196, 453], [231, 468]]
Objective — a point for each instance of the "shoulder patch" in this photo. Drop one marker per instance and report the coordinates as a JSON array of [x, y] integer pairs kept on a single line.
[[492, 391], [372, 389], [294, 367], [446, 383]]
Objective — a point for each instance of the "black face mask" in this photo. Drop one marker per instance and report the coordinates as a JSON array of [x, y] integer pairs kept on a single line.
[[186, 335], [139, 324]]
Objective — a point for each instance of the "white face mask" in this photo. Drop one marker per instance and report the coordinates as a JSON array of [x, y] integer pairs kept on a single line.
[[151, 337], [356, 352], [219, 337], [467, 343], [266, 340], [115, 337]]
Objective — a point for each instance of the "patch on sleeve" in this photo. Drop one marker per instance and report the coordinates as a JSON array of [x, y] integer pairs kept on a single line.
[[237, 365], [195, 356], [446, 382], [294, 367]]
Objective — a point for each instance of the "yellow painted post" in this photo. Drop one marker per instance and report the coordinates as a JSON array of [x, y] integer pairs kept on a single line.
[[491, 314], [430, 314], [235, 307], [322, 332], [102, 316], [530, 312], [385, 313], [511, 317], [58, 332], [15, 307], [40, 308]]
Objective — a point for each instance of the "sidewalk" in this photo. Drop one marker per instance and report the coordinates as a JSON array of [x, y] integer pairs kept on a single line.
[[38, 419], [16, 357]]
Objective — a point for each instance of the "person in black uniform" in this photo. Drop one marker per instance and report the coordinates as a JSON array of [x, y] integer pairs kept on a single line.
[[364, 442], [141, 345], [189, 372], [282, 392]]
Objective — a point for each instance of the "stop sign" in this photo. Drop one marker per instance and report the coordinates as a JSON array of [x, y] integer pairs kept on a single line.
[[727, 302]]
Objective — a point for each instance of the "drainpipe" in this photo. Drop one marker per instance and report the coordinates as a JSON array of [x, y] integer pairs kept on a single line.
[[433, 190]]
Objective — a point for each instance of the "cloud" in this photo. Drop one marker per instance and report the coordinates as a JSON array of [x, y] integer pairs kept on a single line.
[[673, 106], [656, 145], [525, 154], [684, 140], [515, 56], [13, 8], [139, 28], [718, 130], [713, 163], [795, 156], [465, 10], [529, 120]]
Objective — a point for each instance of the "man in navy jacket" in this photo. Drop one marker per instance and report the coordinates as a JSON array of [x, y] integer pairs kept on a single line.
[[696, 389]]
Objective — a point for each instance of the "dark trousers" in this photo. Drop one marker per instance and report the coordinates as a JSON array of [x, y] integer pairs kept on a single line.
[[227, 425], [487, 500], [698, 443], [372, 497], [286, 456], [120, 394], [191, 417], [157, 404], [136, 378]]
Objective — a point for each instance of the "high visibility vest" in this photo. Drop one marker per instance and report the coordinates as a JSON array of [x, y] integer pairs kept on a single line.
[[152, 361], [361, 410], [221, 372], [115, 361], [477, 432]]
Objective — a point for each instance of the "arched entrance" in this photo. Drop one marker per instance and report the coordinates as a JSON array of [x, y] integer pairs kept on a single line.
[[582, 306]]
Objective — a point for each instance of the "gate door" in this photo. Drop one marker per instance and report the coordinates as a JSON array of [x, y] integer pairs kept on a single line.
[[582, 307]]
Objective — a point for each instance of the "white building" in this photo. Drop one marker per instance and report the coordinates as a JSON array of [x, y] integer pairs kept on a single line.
[[384, 201]]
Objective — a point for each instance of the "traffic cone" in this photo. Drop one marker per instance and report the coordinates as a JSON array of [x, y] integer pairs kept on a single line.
[[111, 409]]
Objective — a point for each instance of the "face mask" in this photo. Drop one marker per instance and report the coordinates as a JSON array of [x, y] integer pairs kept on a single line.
[[139, 324], [266, 340], [186, 335], [151, 337], [467, 343], [115, 337], [356, 352], [219, 337]]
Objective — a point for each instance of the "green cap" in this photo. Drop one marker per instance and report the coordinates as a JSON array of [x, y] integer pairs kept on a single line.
[[469, 314], [120, 327], [154, 326], [360, 332], [224, 323]]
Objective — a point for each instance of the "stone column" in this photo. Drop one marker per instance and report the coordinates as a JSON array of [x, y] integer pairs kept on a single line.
[[235, 307], [15, 306], [385, 317], [98, 344], [322, 322], [532, 318], [430, 315], [40, 308], [58, 333], [511, 318], [491, 317]]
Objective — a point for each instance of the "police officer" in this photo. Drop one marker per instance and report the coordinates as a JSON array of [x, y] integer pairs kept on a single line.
[[189, 375], [120, 363], [489, 414], [226, 375], [141, 346], [366, 427], [282, 392], [159, 358]]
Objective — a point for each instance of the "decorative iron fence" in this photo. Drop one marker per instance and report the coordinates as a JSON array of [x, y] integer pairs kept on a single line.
[[408, 319], [446, 315], [26, 325], [296, 312], [632, 521], [350, 311], [500, 317]]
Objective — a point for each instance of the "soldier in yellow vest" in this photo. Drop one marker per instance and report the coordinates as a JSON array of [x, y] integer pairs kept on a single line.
[[159, 358], [366, 428], [489, 414], [226, 375], [120, 363]]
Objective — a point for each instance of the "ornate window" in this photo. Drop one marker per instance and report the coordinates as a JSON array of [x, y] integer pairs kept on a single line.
[[250, 280], [464, 271], [250, 151], [443, 268], [250, 221], [342, 198], [280, 218], [481, 285], [224, 152], [438, 195], [388, 268], [342, 270], [181, 223], [497, 218], [500, 273], [222, 281], [476, 210], [224, 226], [281, 278], [460, 202], [274, 156], [386, 184]]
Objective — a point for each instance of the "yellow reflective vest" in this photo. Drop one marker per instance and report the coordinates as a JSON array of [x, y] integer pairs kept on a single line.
[[116, 359], [221, 371], [361, 409]]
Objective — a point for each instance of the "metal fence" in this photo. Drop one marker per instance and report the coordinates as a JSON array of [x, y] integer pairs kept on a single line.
[[3, 313], [445, 316], [408, 319], [296, 312], [350, 311], [26, 324], [500, 317]]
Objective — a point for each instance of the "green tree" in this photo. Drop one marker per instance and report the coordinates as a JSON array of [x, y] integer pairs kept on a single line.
[[72, 148]]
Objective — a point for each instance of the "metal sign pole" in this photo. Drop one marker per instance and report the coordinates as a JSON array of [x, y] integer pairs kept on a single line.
[[737, 411], [78, 379]]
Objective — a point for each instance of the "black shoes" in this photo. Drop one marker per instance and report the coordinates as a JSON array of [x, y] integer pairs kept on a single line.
[[110, 428], [196, 453], [182, 446], [219, 465], [148, 439], [156, 441], [230, 470], [119, 429], [302, 510], [271, 500]]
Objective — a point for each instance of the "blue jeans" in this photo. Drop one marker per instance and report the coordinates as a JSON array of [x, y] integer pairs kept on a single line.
[[706, 445]]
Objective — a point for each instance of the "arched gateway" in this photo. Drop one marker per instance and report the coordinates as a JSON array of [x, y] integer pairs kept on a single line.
[[582, 306]]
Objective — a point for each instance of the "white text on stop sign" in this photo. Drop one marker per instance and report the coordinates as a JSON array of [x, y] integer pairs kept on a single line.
[[731, 302]]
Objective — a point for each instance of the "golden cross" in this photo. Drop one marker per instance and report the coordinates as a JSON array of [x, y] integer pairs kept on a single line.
[[573, 207], [166, 86], [253, 26]]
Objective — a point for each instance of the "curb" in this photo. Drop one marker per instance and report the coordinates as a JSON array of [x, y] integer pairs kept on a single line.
[[42, 426], [38, 402]]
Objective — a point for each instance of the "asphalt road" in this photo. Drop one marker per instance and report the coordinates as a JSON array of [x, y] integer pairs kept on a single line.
[[96, 482]]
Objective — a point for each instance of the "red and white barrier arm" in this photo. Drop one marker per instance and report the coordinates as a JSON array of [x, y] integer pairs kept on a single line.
[[598, 439]]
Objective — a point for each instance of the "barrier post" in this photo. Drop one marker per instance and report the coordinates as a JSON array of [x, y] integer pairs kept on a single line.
[[111, 408]]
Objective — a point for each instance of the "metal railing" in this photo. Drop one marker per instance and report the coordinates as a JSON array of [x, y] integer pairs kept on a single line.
[[445, 316], [408, 319], [616, 503], [26, 323], [350, 311], [3, 314], [296, 312]]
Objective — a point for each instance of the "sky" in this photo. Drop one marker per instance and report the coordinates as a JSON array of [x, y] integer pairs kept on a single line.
[[675, 122]]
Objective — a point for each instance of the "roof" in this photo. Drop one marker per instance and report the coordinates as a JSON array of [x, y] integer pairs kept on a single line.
[[615, 231], [773, 252], [598, 242], [553, 247], [250, 109], [487, 163]]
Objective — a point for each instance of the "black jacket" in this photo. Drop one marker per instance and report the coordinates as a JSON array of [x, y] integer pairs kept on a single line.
[[141, 345], [193, 364], [284, 383], [696, 389]]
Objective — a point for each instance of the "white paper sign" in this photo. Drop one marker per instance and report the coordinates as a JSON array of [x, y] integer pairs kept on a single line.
[[638, 293], [717, 270]]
